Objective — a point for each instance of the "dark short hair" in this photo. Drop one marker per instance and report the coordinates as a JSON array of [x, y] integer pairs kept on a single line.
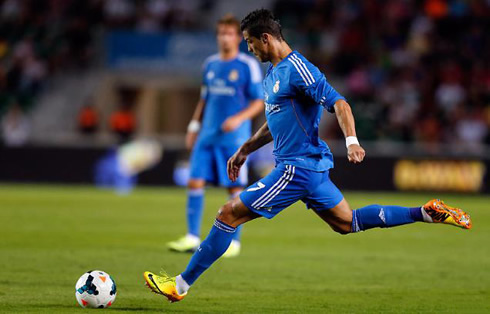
[[230, 20], [261, 21]]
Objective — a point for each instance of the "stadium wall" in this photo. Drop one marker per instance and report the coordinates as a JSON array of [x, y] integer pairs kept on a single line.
[[76, 165]]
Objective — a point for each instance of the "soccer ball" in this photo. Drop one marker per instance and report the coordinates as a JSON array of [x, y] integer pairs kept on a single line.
[[95, 289]]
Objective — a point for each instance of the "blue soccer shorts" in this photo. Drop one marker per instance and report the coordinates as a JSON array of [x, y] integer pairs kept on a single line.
[[287, 184], [208, 162]]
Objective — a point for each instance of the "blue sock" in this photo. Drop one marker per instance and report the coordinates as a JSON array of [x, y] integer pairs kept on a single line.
[[195, 203], [373, 216], [209, 251]]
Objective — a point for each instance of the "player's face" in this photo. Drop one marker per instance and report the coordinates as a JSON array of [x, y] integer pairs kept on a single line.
[[256, 46], [228, 37]]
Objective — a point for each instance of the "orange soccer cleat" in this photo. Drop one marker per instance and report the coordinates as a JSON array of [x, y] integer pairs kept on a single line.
[[442, 213]]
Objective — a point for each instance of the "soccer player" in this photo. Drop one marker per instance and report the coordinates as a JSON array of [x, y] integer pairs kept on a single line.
[[296, 92], [231, 95]]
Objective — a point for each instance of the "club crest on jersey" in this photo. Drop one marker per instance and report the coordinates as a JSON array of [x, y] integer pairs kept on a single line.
[[275, 89], [233, 76], [210, 75]]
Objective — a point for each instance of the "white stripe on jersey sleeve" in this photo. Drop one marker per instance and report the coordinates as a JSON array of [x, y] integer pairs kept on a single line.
[[301, 63], [300, 71], [253, 65]]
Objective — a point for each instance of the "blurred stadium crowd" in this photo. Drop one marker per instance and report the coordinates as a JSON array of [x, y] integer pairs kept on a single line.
[[414, 70], [40, 37]]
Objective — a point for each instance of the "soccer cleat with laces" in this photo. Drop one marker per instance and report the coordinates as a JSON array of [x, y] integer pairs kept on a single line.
[[442, 213], [186, 244], [163, 284]]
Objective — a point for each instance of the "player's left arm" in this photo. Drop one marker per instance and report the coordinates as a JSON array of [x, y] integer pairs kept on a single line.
[[355, 153], [232, 123], [259, 139]]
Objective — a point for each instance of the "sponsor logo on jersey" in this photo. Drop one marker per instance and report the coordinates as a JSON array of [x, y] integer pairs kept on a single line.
[[220, 88], [272, 108]]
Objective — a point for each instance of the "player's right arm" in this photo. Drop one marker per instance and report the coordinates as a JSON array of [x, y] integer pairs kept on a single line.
[[194, 125], [355, 153], [259, 139], [309, 80]]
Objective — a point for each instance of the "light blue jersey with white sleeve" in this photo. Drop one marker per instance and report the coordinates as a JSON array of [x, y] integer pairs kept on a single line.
[[296, 92]]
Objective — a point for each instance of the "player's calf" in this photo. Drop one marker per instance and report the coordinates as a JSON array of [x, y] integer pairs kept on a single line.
[[339, 218]]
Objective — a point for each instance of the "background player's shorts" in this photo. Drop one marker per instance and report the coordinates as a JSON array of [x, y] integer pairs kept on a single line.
[[288, 184], [208, 162]]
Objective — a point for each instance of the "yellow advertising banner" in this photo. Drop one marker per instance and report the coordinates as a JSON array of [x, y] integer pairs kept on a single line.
[[439, 175]]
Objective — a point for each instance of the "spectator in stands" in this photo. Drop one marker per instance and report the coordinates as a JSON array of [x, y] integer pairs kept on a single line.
[[471, 129], [15, 126], [88, 119], [122, 122]]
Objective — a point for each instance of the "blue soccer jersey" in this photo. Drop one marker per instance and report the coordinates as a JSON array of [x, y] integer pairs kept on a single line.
[[228, 87], [295, 94]]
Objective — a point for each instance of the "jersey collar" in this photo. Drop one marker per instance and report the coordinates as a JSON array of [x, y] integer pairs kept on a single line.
[[292, 52]]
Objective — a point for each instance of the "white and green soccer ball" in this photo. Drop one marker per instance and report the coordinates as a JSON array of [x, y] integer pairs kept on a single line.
[[95, 289]]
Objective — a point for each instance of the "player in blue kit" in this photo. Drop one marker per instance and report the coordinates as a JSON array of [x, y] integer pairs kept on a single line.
[[231, 94], [296, 92]]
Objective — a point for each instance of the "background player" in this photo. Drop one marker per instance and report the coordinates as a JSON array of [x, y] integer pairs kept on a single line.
[[295, 92], [231, 95]]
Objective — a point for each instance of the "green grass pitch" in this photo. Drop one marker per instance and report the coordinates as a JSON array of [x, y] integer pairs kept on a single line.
[[50, 235]]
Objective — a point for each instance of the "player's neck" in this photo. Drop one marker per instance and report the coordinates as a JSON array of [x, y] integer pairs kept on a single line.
[[228, 55], [280, 51]]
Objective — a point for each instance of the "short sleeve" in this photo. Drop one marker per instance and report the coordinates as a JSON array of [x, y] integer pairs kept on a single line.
[[307, 78]]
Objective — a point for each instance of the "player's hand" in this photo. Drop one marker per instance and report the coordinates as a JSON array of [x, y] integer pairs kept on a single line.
[[231, 124], [355, 153], [235, 163], [190, 140]]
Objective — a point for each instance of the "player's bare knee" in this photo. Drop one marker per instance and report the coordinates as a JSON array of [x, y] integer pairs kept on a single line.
[[235, 191], [194, 184], [225, 213]]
